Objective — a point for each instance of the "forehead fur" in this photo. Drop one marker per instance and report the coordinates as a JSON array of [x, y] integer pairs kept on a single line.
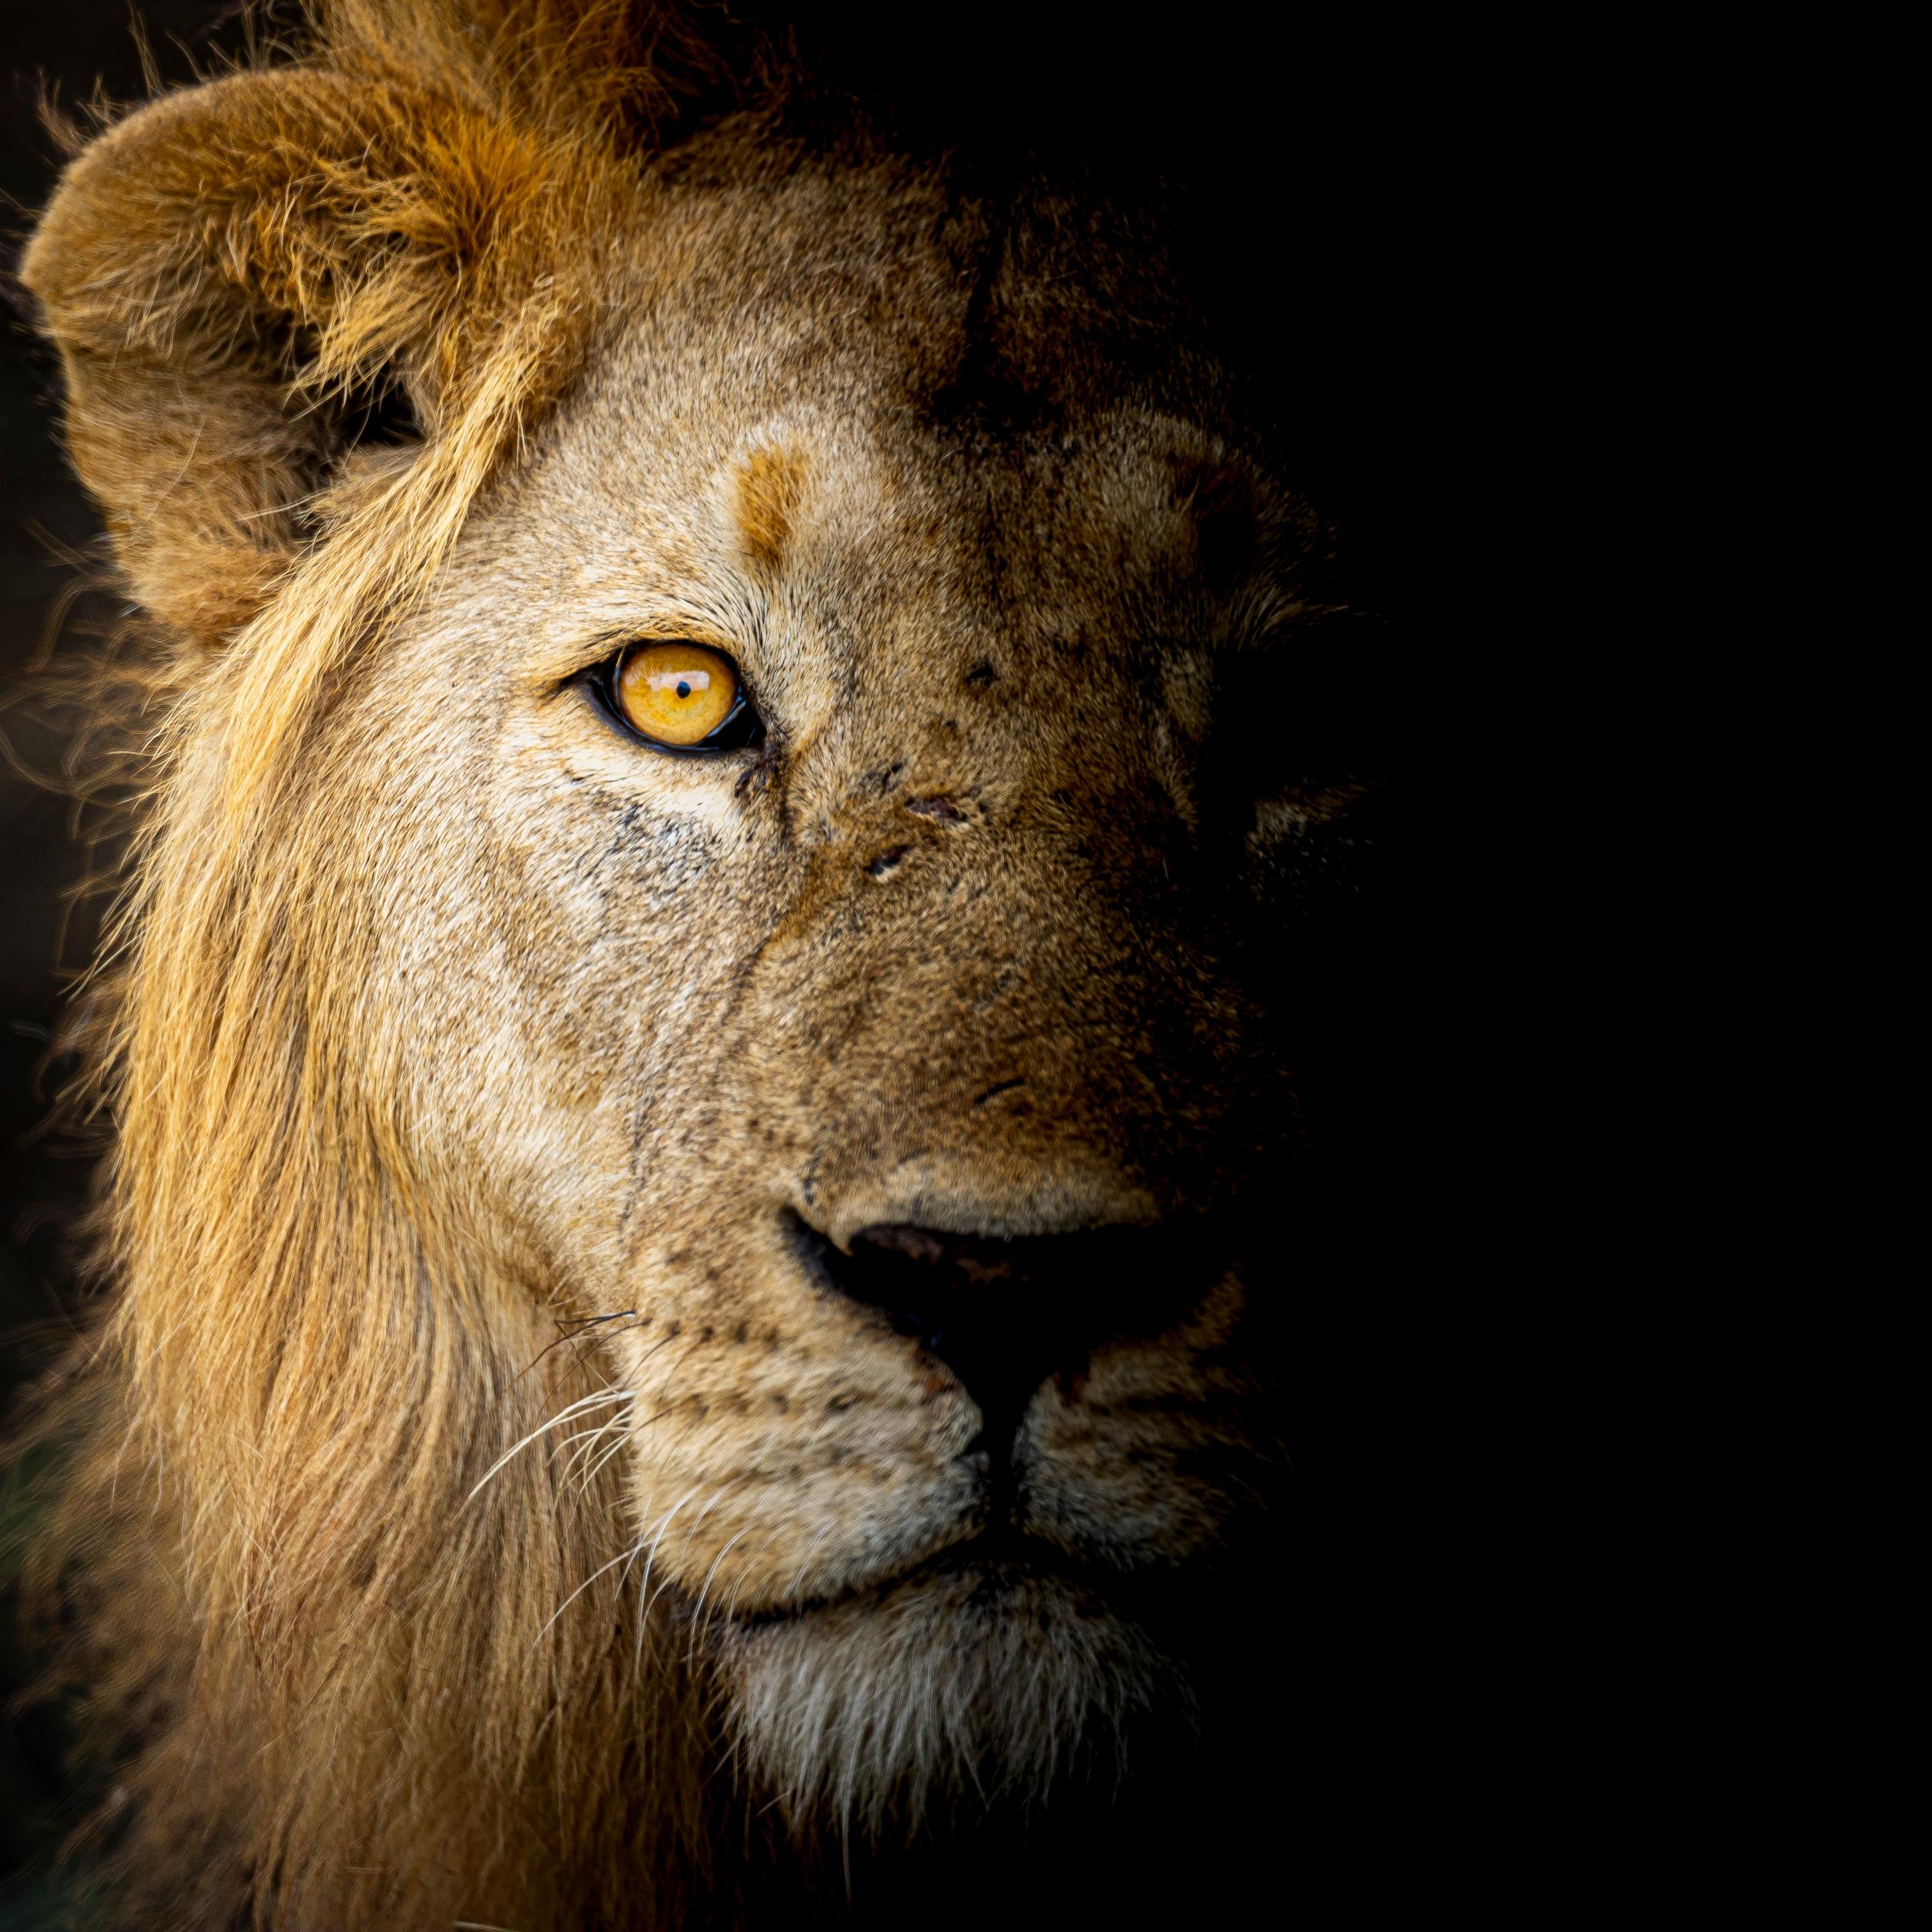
[[770, 483]]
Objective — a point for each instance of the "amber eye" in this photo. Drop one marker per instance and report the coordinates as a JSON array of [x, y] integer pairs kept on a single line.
[[681, 695]]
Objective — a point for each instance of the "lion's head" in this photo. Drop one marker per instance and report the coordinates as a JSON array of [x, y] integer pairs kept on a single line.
[[703, 1067]]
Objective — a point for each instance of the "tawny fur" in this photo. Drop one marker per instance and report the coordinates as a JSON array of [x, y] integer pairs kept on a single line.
[[383, 1651]]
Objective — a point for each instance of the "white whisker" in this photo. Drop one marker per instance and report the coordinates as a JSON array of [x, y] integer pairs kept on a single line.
[[620, 1556], [562, 1416], [597, 1467], [590, 1439], [663, 1524], [697, 1613]]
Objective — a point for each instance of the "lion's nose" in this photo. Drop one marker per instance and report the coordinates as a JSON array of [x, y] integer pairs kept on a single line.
[[1004, 1316]]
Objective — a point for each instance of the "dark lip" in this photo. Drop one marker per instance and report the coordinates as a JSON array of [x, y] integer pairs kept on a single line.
[[998, 1555]]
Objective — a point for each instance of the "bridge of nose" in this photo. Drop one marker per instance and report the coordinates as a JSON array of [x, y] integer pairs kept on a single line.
[[984, 1006], [984, 962]]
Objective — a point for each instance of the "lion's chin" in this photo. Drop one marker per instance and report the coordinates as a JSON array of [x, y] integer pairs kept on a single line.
[[966, 1686]]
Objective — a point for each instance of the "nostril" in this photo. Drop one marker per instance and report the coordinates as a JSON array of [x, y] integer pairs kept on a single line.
[[1006, 1314]]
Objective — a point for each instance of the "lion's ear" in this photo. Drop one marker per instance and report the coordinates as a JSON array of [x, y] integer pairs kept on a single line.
[[232, 272]]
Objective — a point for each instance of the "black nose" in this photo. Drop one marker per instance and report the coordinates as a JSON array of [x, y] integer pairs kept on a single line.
[[1004, 1316]]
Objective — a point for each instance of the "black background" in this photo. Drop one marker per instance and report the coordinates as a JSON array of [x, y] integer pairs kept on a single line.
[[1363, 184]]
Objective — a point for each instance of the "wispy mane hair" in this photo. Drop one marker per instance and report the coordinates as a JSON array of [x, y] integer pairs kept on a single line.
[[311, 1361]]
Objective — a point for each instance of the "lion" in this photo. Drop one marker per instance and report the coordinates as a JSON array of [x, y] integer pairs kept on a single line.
[[700, 1040]]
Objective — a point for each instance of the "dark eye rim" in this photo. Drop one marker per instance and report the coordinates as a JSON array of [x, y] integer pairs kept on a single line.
[[739, 727]]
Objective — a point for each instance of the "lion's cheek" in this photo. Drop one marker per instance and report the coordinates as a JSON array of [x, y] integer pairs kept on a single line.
[[763, 1475], [1148, 1462]]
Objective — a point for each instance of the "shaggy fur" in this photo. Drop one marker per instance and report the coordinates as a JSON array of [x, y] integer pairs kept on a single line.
[[488, 1515]]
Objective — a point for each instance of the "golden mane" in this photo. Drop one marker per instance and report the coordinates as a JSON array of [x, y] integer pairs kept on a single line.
[[315, 1477]]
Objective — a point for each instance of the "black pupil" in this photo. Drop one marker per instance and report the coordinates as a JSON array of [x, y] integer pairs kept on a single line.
[[683, 689]]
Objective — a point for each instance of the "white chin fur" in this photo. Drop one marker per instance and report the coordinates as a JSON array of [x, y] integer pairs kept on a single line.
[[972, 1689]]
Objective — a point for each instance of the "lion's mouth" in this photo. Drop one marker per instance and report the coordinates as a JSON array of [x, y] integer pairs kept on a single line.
[[997, 1568]]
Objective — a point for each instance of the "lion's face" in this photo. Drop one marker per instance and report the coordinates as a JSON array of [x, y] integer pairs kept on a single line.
[[880, 1112], [884, 1092]]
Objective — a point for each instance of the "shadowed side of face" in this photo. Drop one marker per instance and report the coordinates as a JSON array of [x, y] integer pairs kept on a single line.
[[894, 1075]]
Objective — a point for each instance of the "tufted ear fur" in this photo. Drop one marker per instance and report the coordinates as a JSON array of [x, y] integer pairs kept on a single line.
[[233, 274]]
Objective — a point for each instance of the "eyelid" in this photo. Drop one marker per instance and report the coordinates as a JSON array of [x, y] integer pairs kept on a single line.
[[611, 646]]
